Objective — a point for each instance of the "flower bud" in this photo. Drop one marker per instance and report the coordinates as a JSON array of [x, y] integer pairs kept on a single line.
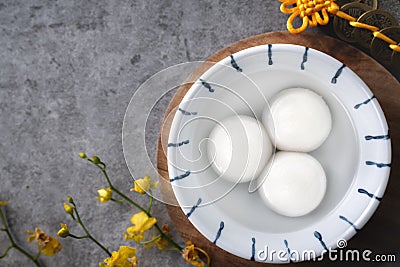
[[82, 155], [4, 203], [64, 231], [68, 209], [105, 194], [96, 160], [70, 200]]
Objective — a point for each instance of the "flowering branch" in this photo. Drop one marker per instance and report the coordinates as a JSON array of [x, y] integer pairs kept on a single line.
[[13, 244], [64, 231], [47, 245], [102, 166], [142, 222]]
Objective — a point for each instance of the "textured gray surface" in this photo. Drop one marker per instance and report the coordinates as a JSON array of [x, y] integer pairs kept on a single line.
[[67, 72]]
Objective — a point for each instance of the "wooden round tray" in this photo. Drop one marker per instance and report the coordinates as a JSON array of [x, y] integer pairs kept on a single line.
[[381, 232]]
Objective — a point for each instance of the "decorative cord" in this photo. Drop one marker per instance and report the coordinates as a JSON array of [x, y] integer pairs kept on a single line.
[[314, 12]]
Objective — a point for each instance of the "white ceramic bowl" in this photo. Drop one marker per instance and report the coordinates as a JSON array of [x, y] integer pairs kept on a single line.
[[356, 156]]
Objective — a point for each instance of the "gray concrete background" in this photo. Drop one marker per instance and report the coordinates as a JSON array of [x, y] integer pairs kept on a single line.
[[67, 72]]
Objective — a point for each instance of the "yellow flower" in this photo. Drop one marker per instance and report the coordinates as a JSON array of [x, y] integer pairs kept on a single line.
[[47, 245], [64, 231], [105, 194], [141, 223], [191, 256], [125, 257], [68, 209], [144, 184], [4, 203]]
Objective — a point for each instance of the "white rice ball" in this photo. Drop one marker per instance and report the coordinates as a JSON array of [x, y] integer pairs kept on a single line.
[[298, 120], [293, 183], [239, 148]]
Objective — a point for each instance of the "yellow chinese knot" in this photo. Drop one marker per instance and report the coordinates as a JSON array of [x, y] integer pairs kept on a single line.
[[314, 12]]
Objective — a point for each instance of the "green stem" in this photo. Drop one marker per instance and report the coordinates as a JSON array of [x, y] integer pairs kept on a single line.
[[35, 261], [78, 218], [37, 255], [13, 244], [150, 241], [78, 237], [102, 167], [129, 200], [148, 214], [99, 244], [173, 249], [170, 240], [151, 202], [118, 200], [6, 251]]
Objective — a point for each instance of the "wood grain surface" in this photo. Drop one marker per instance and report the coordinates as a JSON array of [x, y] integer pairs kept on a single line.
[[381, 234]]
